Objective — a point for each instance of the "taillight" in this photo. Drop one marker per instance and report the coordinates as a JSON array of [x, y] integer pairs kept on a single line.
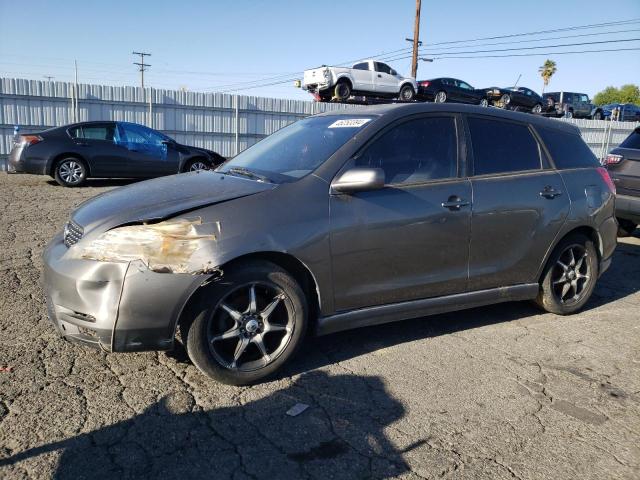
[[423, 84], [30, 140], [607, 179], [612, 159]]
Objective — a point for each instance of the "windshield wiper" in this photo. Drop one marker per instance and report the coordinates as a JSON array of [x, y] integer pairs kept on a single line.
[[245, 172]]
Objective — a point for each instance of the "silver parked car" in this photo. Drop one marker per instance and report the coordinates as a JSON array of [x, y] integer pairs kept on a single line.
[[341, 220]]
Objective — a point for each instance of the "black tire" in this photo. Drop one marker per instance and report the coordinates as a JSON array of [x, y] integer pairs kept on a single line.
[[626, 227], [211, 317], [440, 97], [197, 164], [551, 296], [70, 172], [537, 108], [407, 93], [342, 90]]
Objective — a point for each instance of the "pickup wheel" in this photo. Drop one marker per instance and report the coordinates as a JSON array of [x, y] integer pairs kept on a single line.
[[342, 91], [407, 93]]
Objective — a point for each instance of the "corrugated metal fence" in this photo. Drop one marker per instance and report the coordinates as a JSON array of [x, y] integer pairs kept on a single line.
[[224, 123]]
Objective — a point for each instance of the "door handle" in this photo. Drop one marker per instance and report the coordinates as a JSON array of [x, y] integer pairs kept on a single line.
[[550, 192], [454, 203]]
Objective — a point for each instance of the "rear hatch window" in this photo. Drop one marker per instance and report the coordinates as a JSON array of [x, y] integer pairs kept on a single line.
[[632, 141]]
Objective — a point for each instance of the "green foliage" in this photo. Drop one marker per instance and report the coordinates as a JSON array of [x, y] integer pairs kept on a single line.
[[546, 71], [625, 94]]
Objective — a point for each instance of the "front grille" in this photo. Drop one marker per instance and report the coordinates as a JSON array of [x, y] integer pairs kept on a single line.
[[72, 233]]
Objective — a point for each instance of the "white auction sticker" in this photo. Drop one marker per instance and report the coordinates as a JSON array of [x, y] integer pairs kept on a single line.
[[350, 123]]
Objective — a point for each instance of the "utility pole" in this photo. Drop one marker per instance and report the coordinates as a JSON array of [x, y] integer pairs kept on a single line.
[[416, 41], [142, 65], [48, 77]]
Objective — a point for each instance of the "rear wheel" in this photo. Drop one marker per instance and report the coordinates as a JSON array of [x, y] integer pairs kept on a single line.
[[598, 115], [626, 227], [568, 114], [484, 102], [505, 99], [70, 172], [247, 325], [570, 276], [537, 108], [342, 91], [407, 93], [441, 97]]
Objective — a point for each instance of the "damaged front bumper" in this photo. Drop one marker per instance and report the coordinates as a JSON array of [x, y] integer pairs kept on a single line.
[[116, 306]]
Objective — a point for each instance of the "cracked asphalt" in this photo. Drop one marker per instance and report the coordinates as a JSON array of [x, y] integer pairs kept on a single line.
[[499, 392]]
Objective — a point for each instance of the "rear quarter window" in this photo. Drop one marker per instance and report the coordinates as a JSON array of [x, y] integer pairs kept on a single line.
[[567, 150], [632, 141]]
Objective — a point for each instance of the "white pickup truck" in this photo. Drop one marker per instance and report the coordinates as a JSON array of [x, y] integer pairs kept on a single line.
[[367, 78]]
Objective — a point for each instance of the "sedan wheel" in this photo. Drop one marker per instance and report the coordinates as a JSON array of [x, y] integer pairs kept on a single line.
[[484, 102], [70, 172], [505, 99], [441, 97], [195, 166], [247, 324], [537, 108]]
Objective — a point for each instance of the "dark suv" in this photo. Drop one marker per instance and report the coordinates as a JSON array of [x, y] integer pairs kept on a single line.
[[73, 153], [624, 166], [571, 105], [341, 220]]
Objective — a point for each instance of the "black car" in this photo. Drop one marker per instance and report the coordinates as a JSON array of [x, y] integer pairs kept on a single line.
[[570, 105], [623, 164], [623, 112], [515, 98], [441, 90], [73, 153]]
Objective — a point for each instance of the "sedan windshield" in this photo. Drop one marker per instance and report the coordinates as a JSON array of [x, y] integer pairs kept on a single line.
[[296, 150]]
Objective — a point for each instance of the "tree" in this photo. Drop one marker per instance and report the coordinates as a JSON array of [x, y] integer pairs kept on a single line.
[[546, 72], [625, 94]]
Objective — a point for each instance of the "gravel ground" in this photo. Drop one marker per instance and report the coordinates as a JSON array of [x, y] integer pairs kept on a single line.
[[496, 392]]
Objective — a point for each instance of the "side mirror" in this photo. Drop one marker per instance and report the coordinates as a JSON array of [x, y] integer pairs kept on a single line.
[[359, 180]]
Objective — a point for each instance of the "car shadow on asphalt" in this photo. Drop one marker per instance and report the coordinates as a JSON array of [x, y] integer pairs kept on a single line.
[[340, 435]]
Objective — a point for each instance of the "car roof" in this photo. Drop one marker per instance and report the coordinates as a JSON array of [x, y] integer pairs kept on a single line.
[[398, 110]]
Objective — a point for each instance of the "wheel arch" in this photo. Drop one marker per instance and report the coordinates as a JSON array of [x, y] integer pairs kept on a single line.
[[57, 158], [345, 78], [294, 266], [586, 230]]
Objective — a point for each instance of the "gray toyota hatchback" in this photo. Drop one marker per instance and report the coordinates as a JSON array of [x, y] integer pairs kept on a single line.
[[338, 221]]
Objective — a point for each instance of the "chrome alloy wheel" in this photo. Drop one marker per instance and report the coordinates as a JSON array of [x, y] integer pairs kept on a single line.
[[571, 275], [70, 171], [195, 166], [441, 97], [251, 326]]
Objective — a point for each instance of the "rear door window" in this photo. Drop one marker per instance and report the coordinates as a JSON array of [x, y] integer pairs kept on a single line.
[[94, 132], [567, 150], [502, 147], [361, 66], [415, 151]]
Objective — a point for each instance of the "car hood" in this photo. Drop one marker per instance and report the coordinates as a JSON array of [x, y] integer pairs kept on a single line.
[[162, 198]]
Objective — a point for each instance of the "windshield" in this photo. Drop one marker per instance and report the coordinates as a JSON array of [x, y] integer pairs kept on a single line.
[[296, 150]]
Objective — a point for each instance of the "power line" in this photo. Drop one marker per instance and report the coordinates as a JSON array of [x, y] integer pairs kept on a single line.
[[436, 54], [543, 54], [142, 65]]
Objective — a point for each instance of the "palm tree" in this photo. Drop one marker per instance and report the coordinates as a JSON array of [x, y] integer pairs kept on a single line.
[[546, 72]]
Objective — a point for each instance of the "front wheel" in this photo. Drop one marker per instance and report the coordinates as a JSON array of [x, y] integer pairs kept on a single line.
[[505, 99], [570, 276], [70, 172], [484, 102], [537, 108], [247, 325], [407, 93], [197, 164]]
